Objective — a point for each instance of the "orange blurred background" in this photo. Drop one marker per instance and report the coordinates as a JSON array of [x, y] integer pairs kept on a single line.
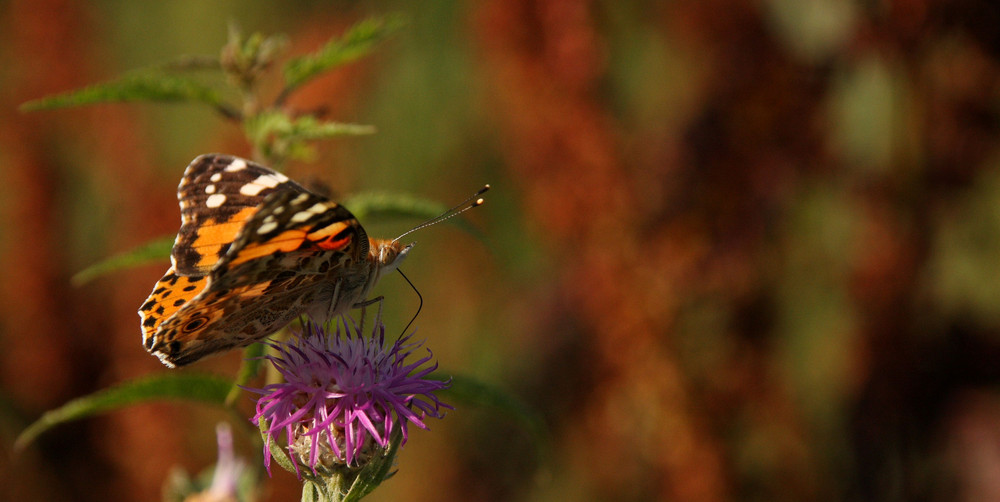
[[734, 250]]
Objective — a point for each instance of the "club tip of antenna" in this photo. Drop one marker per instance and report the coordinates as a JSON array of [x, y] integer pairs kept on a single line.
[[478, 202]]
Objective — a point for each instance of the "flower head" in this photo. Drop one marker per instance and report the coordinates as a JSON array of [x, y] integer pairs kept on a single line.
[[344, 393]]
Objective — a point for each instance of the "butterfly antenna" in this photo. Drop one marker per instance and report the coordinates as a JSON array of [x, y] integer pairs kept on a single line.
[[419, 305], [458, 209]]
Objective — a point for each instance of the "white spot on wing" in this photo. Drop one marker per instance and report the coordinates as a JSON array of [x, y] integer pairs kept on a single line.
[[301, 198], [268, 180], [317, 208], [267, 227], [210, 189], [237, 165], [301, 216], [216, 177], [251, 189], [215, 200]]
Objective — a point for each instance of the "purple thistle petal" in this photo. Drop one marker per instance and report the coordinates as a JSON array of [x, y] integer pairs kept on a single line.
[[344, 393]]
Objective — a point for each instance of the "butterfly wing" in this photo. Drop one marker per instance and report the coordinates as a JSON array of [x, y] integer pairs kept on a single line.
[[299, 253], [218, 194], [171, 293]]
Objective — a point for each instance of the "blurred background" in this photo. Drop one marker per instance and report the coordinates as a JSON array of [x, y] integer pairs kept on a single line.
[[734, 251]]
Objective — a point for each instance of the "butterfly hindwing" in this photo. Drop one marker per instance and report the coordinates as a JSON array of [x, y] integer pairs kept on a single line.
[[217, 195], [222, 319], [169, 295]]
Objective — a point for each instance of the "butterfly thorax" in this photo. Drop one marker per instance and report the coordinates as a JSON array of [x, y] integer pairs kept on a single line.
[[350, 284]]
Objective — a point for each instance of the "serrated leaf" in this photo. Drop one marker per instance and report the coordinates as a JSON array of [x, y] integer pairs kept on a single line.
[[155, 250], [356, 42], [471, 391], [379, 205], [278, 137], [190, 63], [270, 126], [146, 87], [203, 388], [307, 128]]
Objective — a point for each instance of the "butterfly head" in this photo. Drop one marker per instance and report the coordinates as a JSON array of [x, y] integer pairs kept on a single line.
[[387, 254]]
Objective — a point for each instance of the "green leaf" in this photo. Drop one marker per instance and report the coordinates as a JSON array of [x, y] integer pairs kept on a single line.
[[143, 87], [267, 127], [204, 388], [245, 60], [189, 63], [356, 42], [155, 250], [381, 205], [277, 136], [471, 391]]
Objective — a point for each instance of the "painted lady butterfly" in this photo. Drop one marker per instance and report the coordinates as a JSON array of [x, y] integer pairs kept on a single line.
[[254, 252]]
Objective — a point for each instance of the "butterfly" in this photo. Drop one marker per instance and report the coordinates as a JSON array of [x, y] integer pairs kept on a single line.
[[256, 251]]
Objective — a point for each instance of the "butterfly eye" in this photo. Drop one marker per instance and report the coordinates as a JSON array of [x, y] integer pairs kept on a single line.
[[194, 324]]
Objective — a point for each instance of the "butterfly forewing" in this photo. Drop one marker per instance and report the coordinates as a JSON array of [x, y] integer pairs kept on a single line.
[[294, 225], [217, 195]]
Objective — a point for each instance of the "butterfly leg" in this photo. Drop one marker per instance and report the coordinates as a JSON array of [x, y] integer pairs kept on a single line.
[[363, 305]]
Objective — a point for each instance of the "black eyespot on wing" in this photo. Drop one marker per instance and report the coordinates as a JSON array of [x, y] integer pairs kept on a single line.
[[194, 324]]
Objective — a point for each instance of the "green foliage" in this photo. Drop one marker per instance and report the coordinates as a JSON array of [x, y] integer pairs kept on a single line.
[[358, 41], [141, 87], [192, 387], [152, 251], [280, 136], [244, 61]]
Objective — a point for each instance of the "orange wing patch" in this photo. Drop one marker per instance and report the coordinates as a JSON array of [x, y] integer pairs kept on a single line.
[[212, 236], [286, 241], [330, 238], [170, 294]]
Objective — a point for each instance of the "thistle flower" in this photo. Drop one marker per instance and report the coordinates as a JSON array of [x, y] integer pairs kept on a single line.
[[342, 395]]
